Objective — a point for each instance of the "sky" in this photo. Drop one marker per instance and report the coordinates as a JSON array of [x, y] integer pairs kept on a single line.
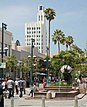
[[71, 18]]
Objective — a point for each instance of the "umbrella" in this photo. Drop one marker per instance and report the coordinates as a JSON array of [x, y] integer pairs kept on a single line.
[[66, 68], [43, 74]]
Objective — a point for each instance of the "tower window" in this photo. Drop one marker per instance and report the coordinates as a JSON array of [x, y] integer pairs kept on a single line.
[[39, 18], [41, 7]]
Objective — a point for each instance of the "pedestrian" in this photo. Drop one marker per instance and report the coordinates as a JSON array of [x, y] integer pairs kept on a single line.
[[16, 85], [24, 82], [31, 90], [44, 82], [4, 84], [21, 87], [1, 96], [10, 86]]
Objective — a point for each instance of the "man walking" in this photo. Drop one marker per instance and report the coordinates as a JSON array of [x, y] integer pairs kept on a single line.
[[10, 86], [21, 86]]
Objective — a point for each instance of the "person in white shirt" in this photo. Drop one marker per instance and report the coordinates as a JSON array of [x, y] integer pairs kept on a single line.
[[4, 85], [16, 85], [10, 86]]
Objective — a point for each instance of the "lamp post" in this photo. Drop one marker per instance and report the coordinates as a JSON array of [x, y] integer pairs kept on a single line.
[[3, 27], [2, 50], [31, 65], [47, 62], [20, 70], [31, 71]]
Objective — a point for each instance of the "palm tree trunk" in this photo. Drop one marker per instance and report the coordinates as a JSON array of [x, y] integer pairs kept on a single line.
[[66, 47], [49, 38], [58, 46]]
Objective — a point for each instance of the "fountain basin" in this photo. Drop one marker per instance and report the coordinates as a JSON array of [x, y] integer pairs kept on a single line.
[[57, 92]]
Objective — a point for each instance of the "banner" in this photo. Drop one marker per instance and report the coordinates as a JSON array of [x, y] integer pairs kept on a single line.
[[3, 65]]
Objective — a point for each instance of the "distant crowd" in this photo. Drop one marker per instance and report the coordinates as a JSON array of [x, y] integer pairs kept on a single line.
[[10, 86], [19, 86]]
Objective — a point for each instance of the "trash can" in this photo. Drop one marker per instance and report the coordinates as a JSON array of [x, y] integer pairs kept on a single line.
[[49, 95]]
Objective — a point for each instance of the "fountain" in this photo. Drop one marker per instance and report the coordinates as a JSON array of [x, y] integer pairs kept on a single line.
[[60, 91]]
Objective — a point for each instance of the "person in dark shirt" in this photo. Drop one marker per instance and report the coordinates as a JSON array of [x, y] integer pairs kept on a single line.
[[1, 96], [21, 86]]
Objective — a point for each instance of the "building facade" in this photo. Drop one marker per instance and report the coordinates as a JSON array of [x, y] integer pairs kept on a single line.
[[25, 51], [22, 51], [37, 31]]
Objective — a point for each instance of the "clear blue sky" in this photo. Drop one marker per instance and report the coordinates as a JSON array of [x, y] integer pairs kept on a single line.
[[71, 18]]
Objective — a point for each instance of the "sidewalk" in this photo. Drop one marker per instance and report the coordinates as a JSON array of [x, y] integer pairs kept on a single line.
[[37, 102], [31, 102], [21, 102]]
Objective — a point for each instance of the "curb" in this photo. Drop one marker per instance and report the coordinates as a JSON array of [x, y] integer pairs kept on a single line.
[[80, 96]]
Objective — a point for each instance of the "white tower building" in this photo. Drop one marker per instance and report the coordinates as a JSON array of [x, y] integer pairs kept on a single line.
[[37, 31]]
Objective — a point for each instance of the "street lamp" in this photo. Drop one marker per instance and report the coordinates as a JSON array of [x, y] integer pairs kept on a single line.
[[47, 63], [2, 52], [3, 64], [20, 70], [31, 65], [31, 71], [2, 48], [3, 27]]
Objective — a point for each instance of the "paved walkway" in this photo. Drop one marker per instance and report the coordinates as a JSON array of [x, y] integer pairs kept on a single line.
[[22, 102]]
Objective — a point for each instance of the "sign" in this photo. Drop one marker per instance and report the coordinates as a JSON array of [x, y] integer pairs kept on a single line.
[[3, 65]]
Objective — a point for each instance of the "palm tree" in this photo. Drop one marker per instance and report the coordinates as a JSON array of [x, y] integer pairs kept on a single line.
[[58, 37], [77, 49], [68, 41], [49, 14], [11, 65]]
